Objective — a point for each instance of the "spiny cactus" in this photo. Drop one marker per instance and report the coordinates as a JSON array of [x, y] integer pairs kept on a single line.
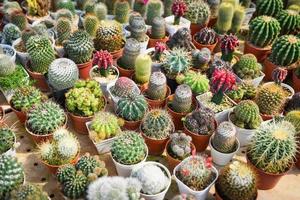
[[12, 174], [268, 143], [180, 145], [279, 74], [7, 66], [130, 53], [28, 192], [76, 186], [64, 13], [19, 19], [39, 8], [157, 124], [294, 117], [237, 181], [182, 102], [65, 173], [143, 64], [104, 61], [152, 177], [140, 6], [41, 29], [91, 165], [249, 91], [289, 21], [10, 33], [236, 94], [198, 82], [285, 50], [26, 34], [181, 39], [259, 33], [269, 7], [62, 74], [121, 11], [179, 8], [66, 4], [154, 9], [201, 58], [158, 29], [247, 67], [293, 103], [168, 7], [7, 139], [198, 12], [225, 15], [238, 18], [214, 6], [159, 50], [206, 36], [124, 87], [89, 7], [63, 30], [129, 148], [224, 139], [157, 87], [100, 11], [90, 24], [228, 45]]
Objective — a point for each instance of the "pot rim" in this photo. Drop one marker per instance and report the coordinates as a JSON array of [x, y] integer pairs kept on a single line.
[[144, 90]]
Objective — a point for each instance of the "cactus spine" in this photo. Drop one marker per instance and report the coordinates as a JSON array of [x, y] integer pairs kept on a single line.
[[63, 29], [269, 7], [121, 11], [289, 21], [182, 102], [143, 65], [91, 24], [154, 9]]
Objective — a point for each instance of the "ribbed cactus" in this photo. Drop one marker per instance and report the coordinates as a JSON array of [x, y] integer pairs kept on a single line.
[[28, 192], [285, 50], [247, 67], [269, 7], [7, 66], [238, 18], [138, 28], [100, 11], [65, 173], [198, 12], [19, 19], [124, 87], [130, 53], [90, 24], [143, 64], [201, 58], [237, 181], [12, 174], [76, 186], [184, 197], [206, 36], [132, 108], [26, 34], [41, 53], [182, 102], [157, 124], [63, 30], [39, 8], [64, 13], [224, 139], [294, 117], [154, 9], [179, 8], [180, 145], [263, 30], [62, 74], [89, 7], [158, 29], [91, 165], [10, 33], [129, 148], [228, 45], [7, 139], [268, 143], [121, 11], [157, 87], [66, 4], [198, 82], [225, 15], [79, 47], [289, 21], [109, 36]]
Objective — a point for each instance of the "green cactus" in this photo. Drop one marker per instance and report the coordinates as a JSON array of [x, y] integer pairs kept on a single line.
[[132, 108], [236, 94], [285, 50], [7, 66], [182, 102], [238, 18], [247, 67], [110, 6], [137, 28], [66, 4], [121, 11], [249, 91], [259, 33], [140, 7], [268, 143], [130, 53], [79, 47], [39, 8], [91, 165], [12, 174], [157, 87], [289, 21], [124, 87], [76, 186], [225, 16], [100, 11], [63, 29], [64, 13], [158, 29], [198, 82], [198, 12], [41, 29], [28, 192], [201, 58], [26, 34], [143, 64], [104, 126], [154, 9], [65, 173], [179, 145], [157, 124], [129, 148], [10, 33], [269, 7], [109, 36], [237, 181], [168, 7], [89, 7], [19, 19], [294, 117], [224, 139], [90, 24], [7, 139]]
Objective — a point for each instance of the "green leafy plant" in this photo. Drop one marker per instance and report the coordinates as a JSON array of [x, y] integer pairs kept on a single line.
[[15, 80]]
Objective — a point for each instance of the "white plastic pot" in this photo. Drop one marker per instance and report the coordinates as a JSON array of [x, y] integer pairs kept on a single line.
[[184, 189], [22, 56], [220, 158], [285, 86], [9, 51], [171, 29], [255, 82]]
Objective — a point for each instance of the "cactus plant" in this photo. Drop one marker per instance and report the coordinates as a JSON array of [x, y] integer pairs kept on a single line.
[[182, 102], [198, 12], [225, 16], [168, 7], [79, 47], [7, 66], [26, 34], [12, 174], [269, 7], [179, 145], [237, 181], [158, 29], [152, 178], [289, 21], [38, 8], [76, 186], [143, 64], [41, 29], [100, 11], [129, 148], [238, 18], [7, 139], [285, 50], [28, 192], [19, 19], [121, 11], [214, 6], [66, 4], [91, 165], [90, 24], [140, 6], [236, 94], [206, 36], [268, 143], [247, 67], [154, 9], [10, 33], [157, 87], [138, 28], [130, 53], [63, 29], [64, 13], [62, 74], [228, 45], [201, 58], [293, 103], [179, 8], [258, 30], [294, 118], [132, 108], [124, 87], [249, 91], [157, 124], [159, 51], [65, 173], [89, 7], [181, 39], [104, 61], [279, 74]]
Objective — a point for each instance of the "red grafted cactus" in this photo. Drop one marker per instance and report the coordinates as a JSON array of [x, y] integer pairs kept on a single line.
[[159, 49], [222, 81], [228, 44], [179, 7], [279, 74], [104, 60]]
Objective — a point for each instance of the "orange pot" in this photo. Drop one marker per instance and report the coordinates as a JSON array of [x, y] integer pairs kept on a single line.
[[21, 115], [155, 147], [296, 82], [117, 54], [53, 168], [268, 69], [79, 123], [152, 42], [84, 69], [40, 80], [260, 53], [125, 72], [195, 28], [199, 46], [131, 125], [156, 103]]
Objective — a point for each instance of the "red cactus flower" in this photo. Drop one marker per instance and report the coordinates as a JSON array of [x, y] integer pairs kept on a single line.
[[279, 75], [185, 172], [222, 80], [103, 59], [229, 43], [160, 47], [208, 162], [179, 7]]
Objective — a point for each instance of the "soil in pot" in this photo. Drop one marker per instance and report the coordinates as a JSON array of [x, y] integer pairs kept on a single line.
[[156, 103], [260, 53], [124, 72], [40, 79], [84, 69]]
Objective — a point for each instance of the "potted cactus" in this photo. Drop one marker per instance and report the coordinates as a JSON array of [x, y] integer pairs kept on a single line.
[[264, 152], [74, 180], [142, 70], [158, 32], [205, 38], [156, 127], [37, 10], [200, 125], [157, 91], [10, 33], [180, 104], [128, 151], [155, 179], [270, 8], [178, 148], [177, 21], [132, 109], [25, 98], [228, 44], [103, 130], [63, 30], [181, 39], [121, 11], [224, 143], [154, 9], [28, 191], [237, 180], [195, 175], [289, 21], [82, 102], [13, 174], [201, 59], [157, 54], [62, 149], [8, 143]]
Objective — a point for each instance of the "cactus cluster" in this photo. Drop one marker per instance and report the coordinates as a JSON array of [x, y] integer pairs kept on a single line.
[[269, 7], [7, 139], [158, 29], [157, 87], [39, 8], [129, 148], [28, 192], [19, 19], [228, 45], [63, 30], [237, 181], [268, 143], [182, 102], [179, 8], [294, 117], [236, 94], [157, 124], [180, 145], [224, 140], [154, 9], [121, 11], [198, 12], [206, 36], [289, 21], [10, 33], [124, 87], [143, 64], [130, 53], [247, 67]]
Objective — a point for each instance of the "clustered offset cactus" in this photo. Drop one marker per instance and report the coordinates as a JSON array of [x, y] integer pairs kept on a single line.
[[104, 61], [90, 24], [224, 140], [158, 29], [10, 33], [236, 94], [7, 139], [198, 82], [152, 178], [157, 87], [63, 30], [28, 192], [179, 8], [38, 8], [129, 148], [237, 181], [247, 67], [182, 102], [228, 45], [268, 143], [198, 12], [130, 53], [180, 145], [154, 9], [157, 124], [289, 21], [269, 7], [206, 36], [249, 91]]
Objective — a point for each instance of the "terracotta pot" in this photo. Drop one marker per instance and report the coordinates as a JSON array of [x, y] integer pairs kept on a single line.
[[125, 72], [220, 198], [199, 46], [196, 28], [260, 53], [177, 117], [84, 69], [156, 103], [131, 125], [266, 117], [152, 42], [200, 141], [21, 115], [173, 162], [296, 82], [155, 147], [140, 86], [40, 79], [117, 54], [268, 69], [266, 181], [79, 123], [53, 168]]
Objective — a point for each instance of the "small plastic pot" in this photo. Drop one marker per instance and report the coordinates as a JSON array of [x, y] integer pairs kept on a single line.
[[79, 123], [155, 147], [20, 114], [124, 72]]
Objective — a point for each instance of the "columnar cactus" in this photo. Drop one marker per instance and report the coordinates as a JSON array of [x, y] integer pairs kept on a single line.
[[198, 82], [124, 87], [214, 6], [129, 148], [168, 7], [238, 18], [289, 21], [63, 29], [64, 13], [90, 24], [279, 74], [247, 67], [132, 108], [158, 29], [19, 19], [157, 124], [12, 174], [180, 145], [140, 6], [7, 139], [67, 4], [39, 8], [268, 143], [154, 9], [121, 11], [157, 87], [89, 7], [225, 15], [285, 50], [104, 61], [79, 47], [182, 102], [228, 45], [198, 12], [28, 192], [130, 53], [143, 64], [62, 74], [224, 139], [179, 8], [237, 181], [201, 58], [269, 7], [7, 66], [206, 36], [100, 11], [259, 33], [10, 33], [138, 28]]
